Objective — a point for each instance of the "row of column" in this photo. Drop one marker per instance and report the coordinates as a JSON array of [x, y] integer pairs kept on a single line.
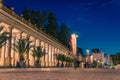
[[7, 53]]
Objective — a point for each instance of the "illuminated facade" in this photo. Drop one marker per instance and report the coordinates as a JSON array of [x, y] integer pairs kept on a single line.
[[20, 28], [73, 43], [98, 57]]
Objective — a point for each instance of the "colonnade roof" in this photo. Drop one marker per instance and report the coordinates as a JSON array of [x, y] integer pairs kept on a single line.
[[19, 21]]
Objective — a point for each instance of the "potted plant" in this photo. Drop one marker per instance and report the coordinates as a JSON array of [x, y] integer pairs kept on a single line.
[[22, 47], [3, 37], [37, 54]]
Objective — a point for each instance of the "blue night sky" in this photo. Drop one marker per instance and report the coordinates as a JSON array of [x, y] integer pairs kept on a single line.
[[97, 22]]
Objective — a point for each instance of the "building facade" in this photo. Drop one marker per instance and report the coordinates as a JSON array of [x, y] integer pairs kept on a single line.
[[20, 28], [98, 57]]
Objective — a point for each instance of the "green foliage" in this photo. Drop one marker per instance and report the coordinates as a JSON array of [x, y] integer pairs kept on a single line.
[[116, 58], [41, 19], [3, 37], [22, 47], [29, 15], [47, 21], [52, 26], [35, 17], [58, 56], [95, 63], [95, 50], [80, 51], [64, 34], [38, 53], [100, 65], [63, 58], [69, 60]]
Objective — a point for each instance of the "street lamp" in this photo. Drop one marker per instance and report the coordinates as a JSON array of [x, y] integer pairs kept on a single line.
[[88, 52]]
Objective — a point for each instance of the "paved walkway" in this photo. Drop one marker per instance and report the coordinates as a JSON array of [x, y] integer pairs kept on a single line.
[[59, 74]]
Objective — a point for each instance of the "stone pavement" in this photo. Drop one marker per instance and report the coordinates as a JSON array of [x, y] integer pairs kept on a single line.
[[58, 74]]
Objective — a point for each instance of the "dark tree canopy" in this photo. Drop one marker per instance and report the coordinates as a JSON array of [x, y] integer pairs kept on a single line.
[[52, 25], [64, 34], [47, 21], [116, 58], [95, 50], [80, 51], [37, 18]]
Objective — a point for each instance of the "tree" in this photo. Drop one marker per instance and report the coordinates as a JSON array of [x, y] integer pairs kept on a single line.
[[37, 54], [95, 63], [29, 15], [35, 17], [116, 58], [22, 47], [80, 51], [3, 37], [52, 26], [95, 50], [63, 58], [59, 57], [64, 34], [41, 19]]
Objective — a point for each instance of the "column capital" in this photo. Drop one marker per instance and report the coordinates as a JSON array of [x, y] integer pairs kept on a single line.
[[1, 4], [10, 27]]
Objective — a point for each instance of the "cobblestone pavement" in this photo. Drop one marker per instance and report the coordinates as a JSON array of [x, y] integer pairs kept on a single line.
[[59, 74]]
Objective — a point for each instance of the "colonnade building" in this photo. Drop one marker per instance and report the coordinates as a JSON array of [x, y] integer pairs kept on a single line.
[[20, 28]]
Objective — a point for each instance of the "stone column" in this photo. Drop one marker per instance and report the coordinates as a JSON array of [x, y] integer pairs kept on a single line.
[[15, 36], [9, 46], [7, 53], [28, 53], [58, 60], [54, 56], [40, 57], [13, 53], [31, 58], [3, 55], [48, 54], [44, 55], [50, 59], [20, 36]]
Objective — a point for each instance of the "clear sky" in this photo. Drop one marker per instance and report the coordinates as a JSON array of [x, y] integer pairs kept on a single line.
[[97, 22]]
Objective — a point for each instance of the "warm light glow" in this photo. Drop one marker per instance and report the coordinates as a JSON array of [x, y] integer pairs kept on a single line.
[[76, 36], [74, 43], [88, 52]]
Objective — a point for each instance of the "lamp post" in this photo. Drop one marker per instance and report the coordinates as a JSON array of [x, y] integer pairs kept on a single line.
[[87, 57], [88, 52]]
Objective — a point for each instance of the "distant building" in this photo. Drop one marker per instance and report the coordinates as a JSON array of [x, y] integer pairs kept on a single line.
[[98, 56], [107, 58], [89, 59]]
